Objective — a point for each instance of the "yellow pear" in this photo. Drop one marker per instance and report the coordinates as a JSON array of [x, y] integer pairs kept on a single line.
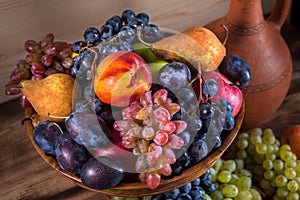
[[196, 46], [51, 95]]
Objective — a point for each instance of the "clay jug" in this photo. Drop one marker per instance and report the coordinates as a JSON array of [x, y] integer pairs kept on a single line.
[[258, 40]]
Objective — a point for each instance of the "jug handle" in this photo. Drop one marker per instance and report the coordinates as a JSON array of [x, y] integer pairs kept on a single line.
[[280, 12]]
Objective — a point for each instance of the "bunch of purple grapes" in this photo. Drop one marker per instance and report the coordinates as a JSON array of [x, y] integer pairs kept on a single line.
[[197, 189], [43, 59]]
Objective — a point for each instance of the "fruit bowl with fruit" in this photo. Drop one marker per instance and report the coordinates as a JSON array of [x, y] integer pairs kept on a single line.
[[140, 110]]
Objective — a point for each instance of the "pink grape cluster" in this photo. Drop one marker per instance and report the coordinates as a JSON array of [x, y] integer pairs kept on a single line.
[[43, 58], [147, 128]]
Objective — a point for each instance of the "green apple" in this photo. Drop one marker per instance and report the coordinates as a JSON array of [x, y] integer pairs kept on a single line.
[[153, 61]]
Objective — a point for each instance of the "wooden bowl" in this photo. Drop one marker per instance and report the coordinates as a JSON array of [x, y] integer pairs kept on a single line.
[[138, 189]]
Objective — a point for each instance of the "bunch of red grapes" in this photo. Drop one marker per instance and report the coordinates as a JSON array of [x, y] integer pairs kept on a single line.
[[43, 58]]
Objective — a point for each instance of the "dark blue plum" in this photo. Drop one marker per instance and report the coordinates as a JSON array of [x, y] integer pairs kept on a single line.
[[70, 155], [102, 173], [45, 135], [236, 69]]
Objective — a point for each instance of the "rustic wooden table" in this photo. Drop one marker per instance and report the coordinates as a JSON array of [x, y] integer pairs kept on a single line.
[[25, 175]]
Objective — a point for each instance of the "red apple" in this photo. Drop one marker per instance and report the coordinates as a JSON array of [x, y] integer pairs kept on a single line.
[[291, 136], [121, 78], [226, 90]]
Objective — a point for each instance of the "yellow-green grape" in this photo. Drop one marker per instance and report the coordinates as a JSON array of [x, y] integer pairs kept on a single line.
[[228, 198], [244, 183], [242, 143], [240, 164], [241, 154], [255, 194], [243, 172], [229, 165], [265, 184], [261, 148], [297, 169], [282, 192], [278, 165], [267, 164], [290, 164], [214, 174], [255, 139], [243, 135], [290, 173], [230, 190], [281, 181], [285, 147], [259, 158], [292, 196], [216, 195], [251, 149], [271, 156], [292, 186], [285, 155], [256, 131], [224, 176], [244, 195], [118, 198], [234, 179], [206, 197], [269, 139], [218, 164], [269, 174]]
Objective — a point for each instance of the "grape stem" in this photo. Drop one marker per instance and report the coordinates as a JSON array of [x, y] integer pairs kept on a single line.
[[91, 75], [138, 32]]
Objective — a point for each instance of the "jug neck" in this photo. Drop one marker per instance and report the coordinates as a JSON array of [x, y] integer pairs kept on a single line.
[[245, 15]]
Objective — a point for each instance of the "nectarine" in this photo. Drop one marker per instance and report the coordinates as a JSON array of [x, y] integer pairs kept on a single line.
[[121, 78]]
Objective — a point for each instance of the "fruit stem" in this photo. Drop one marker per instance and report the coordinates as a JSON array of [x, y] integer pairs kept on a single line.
[[138, 32], [57, 117], [60, 129], [226, 34]]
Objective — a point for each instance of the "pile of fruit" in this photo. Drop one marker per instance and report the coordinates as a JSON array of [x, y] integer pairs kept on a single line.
[[136, 102]]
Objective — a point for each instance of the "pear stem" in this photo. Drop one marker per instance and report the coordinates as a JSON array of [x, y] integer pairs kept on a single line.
[[226, 34], [57, 117], [138, 32]]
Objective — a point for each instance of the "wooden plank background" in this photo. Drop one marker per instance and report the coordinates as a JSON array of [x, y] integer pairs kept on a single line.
[[33, 19]]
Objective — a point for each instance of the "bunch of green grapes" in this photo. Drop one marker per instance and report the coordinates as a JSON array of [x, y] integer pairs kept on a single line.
[[232, 181], [275, 167]]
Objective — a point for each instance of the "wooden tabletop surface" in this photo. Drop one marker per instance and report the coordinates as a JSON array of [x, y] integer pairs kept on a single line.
[[25, 175]]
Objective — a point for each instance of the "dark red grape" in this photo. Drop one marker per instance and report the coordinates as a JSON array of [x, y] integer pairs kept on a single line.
[[65, 52], [48, 39], [19, 74], [70, 155], [31, 58], [31, 46], [47, 60], [37, 68], [52, 49], [45, 135], [101, 173]]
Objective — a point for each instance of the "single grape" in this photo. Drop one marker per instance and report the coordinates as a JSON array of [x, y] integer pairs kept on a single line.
[[174, 75], [281, 180], [92, 36], [127, 15], [31, 46], [230, 190], [224, 176]]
